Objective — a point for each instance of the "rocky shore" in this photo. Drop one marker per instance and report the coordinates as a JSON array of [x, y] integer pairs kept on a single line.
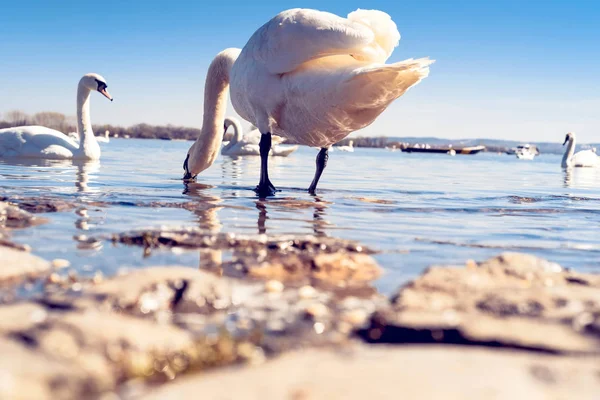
[[290, 317]]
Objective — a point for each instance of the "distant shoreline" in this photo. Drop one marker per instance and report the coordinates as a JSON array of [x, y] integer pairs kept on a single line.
[[66, 124]]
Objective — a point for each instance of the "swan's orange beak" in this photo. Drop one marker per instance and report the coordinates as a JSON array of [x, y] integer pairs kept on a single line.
[[106, 94]]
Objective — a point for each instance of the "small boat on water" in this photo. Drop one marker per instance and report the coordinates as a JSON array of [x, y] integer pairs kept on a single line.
[[526, 152], [443, 150]]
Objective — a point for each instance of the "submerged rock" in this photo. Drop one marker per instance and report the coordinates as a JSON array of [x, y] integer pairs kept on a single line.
[[513, 300], [12, 216], [302, 259]]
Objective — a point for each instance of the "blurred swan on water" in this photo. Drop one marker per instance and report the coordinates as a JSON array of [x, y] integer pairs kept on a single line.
[[306, 75], [584, 158], [248, 144], [42, 142], [348, 148]]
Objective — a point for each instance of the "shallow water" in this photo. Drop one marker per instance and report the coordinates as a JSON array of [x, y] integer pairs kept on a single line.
[[417, 209]]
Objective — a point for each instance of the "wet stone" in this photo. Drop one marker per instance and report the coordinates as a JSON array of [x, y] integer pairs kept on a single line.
[[42, 205], [13, 217], [513, 300], [18, 264], [157, 323], [300, 259], [422, 372]]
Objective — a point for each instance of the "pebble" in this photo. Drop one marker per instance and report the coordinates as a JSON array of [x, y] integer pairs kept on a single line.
[[98, 277], [59, 263], [274, 286], [307, 292], [53, 278], [355, 317], [317, 310]]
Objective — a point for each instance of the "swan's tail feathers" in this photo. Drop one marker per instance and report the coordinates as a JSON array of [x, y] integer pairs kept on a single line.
[[377, 86]]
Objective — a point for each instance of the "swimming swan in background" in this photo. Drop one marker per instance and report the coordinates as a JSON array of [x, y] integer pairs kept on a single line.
[[348, 148], [42, 142], [305, 75], [105, 138], [584, 158], [248, 144]]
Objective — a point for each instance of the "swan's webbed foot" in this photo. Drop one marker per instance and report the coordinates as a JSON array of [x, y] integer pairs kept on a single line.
[[265, 189], [322, 158]]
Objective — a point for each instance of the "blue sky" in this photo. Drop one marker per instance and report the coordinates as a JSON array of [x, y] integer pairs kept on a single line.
[[505, 69]]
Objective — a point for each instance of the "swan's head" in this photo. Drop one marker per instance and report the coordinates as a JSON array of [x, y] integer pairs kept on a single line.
[[96, 83], [570, 136], [199, 157], [230, 121]]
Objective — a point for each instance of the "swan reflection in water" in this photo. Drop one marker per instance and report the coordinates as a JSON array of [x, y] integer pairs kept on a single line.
[[208, 203], [207, 218], [581, 178], [58, 172], [55, 170]]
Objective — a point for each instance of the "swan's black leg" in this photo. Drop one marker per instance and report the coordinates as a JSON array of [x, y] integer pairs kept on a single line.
[[322, 158], [265, 187]]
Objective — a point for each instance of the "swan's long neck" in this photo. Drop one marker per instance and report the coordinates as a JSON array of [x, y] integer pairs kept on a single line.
[[237, 131], [566, 161], [206, 148], [88, 145]]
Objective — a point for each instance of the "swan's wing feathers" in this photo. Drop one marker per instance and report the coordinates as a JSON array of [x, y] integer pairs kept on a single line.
[[296, 36], [32, 140], [11, 143]]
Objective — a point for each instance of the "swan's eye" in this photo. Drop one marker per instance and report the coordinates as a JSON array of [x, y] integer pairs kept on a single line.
[[101, 85]]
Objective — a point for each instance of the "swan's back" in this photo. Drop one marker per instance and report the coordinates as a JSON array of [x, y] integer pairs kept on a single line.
[[315, 77], [35, 142], [585, 158]]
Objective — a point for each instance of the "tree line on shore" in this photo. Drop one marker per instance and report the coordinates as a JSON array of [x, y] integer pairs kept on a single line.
[[66, 124]]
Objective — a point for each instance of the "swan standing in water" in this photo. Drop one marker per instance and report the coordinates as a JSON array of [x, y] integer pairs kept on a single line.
[[348, 148], [248, 144], [305, 75], [42, 142], [584, 158]]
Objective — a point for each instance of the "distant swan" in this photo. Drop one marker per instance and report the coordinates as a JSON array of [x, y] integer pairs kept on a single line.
[[103, 139], [248, 144], [584, 158], [42, 142], [348, 148], [305, 75]]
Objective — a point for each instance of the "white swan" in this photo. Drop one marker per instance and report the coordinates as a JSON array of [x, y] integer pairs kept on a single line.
[[41, 142], [305, 75], [348, 148], [248, 144], [584, 158], [103, 139]]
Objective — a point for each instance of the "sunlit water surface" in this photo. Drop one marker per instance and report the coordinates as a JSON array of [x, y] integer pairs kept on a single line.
[[417, 209]]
